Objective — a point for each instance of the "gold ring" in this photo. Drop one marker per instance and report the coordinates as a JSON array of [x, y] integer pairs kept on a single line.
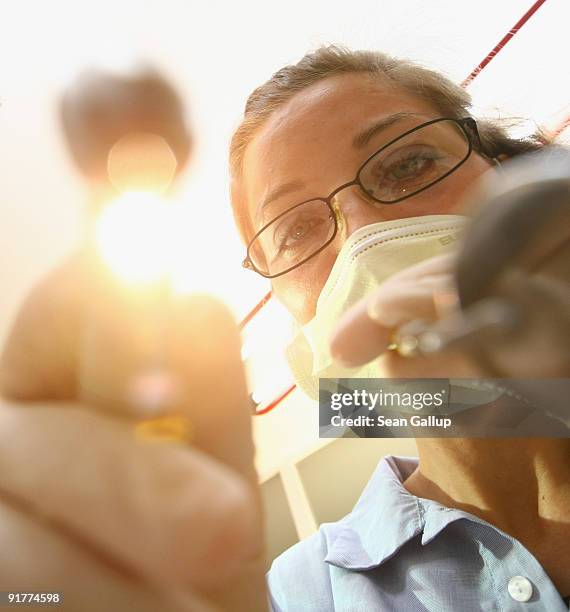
[[167, 428], [405, 344]]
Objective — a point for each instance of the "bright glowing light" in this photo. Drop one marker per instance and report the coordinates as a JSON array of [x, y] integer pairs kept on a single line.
[[200, 263], [134, 238]]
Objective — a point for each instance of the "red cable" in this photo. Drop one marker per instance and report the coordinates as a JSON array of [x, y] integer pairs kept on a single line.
[[561, 127], [276, 401], [249, 316], [465, 83], [518, 25]]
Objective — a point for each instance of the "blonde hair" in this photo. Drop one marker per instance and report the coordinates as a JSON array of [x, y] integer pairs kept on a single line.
[[448, 98]]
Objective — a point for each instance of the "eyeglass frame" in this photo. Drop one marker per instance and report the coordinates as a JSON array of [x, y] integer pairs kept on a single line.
[[471, 134]]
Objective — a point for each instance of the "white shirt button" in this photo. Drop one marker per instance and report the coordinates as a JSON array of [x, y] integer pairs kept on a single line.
[[520, 588]]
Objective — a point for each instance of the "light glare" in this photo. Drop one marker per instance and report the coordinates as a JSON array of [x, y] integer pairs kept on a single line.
[[132, 236]]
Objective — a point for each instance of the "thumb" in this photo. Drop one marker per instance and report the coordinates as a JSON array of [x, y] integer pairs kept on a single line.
[[198, 346], [152, 354]]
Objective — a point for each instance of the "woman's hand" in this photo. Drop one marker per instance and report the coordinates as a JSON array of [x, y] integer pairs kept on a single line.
[[117, 522], [417, 293]]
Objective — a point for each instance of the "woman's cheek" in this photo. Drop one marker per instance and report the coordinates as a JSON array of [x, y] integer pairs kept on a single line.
[[298, 296], [299, 290]]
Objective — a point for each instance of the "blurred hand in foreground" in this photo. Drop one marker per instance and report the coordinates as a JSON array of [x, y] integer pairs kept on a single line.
[[113, 521]]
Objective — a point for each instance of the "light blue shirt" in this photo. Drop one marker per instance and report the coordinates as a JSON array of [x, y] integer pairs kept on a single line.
[[395, 551]]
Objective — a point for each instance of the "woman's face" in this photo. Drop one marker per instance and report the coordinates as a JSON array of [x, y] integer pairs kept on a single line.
[[309, 147]]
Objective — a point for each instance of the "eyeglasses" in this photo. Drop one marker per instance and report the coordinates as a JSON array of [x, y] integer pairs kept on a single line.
[[407, 165]]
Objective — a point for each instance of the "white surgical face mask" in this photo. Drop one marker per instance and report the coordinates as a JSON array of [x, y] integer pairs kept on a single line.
[[369, 256]]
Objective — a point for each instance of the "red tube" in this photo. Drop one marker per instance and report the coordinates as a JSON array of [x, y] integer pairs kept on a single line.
[[518, 25]]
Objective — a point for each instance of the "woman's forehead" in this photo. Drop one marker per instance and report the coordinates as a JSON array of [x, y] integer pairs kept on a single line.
[[334, 104], [318, 122]]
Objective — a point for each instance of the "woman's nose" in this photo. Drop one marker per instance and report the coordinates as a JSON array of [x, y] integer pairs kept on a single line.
[[354, 211]]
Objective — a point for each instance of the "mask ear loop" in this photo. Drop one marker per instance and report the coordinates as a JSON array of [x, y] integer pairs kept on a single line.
[[498, 165]]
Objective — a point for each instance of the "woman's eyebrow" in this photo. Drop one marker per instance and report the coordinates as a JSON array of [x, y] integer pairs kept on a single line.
[[364, 136], [277, 193]]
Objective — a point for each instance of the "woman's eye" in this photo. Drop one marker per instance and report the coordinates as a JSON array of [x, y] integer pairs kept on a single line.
[[298, 231], [408, 165], [409, 168], [299, 237]]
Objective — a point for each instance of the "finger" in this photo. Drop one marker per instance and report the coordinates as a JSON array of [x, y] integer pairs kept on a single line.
[[357, 338], [365, 331], [35, 558], [168, 513], [198, 346], [393, 306], [201, 353]]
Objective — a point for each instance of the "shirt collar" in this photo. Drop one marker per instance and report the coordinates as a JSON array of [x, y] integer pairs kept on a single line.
[[385, 518]]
